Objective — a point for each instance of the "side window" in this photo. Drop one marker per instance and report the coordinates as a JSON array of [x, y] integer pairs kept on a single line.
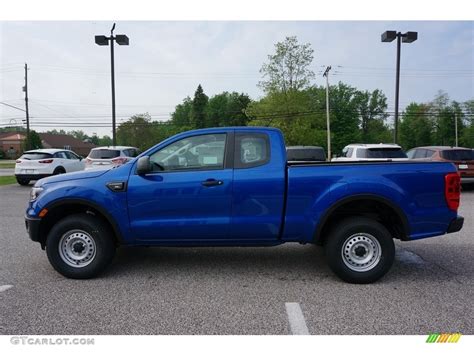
[[60, 155], [251, 150], [411, 153], [361, 153], [429, 153], [191, 153], [71, 155], [420, 153], [349, 152]]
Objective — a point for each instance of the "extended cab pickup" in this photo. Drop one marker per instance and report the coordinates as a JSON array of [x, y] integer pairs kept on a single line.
[[234, 187]]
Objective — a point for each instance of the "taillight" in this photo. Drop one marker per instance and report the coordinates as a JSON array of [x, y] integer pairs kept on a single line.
[[87, 161], [452, 190], [119, 161], [47, 161]]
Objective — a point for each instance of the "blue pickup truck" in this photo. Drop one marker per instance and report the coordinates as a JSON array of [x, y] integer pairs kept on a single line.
[[234, 187]]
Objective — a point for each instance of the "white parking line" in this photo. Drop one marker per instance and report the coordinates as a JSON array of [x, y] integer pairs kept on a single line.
[[296, 319], [5, 287]]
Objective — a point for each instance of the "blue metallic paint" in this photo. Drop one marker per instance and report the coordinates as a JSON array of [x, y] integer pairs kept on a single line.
[[173, 208]]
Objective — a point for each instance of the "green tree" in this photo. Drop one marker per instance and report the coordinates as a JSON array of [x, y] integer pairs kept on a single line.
[[288, 68], [32, 141], [199, 107], [105, 141], [467, 136], [227, 109], [94, 139], [416, 127], [371, 107], [136, 132], [182, 113]]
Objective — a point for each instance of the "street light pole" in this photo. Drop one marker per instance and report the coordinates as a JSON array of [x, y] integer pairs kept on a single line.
[[408, 37], [328, 125], [112, 69], [397, 88], [104, 41]]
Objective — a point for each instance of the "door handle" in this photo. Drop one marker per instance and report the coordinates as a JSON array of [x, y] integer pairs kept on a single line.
[[212, 182]]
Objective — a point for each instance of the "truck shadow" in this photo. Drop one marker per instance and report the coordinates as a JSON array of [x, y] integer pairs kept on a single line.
[[288, 263]]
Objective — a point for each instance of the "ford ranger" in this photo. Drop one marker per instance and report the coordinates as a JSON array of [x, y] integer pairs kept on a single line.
[[234, 187]]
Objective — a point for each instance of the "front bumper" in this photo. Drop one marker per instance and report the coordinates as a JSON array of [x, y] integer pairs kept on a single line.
[[32, 225], [455, 225]]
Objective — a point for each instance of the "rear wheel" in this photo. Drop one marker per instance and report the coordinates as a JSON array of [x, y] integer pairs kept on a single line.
[[22, 181], [360, 250], [80, 246], [59, 170]]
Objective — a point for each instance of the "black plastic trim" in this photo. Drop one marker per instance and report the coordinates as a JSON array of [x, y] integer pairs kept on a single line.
[[455, 225]]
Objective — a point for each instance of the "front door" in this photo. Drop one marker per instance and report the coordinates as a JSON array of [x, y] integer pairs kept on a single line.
[[188, 195]]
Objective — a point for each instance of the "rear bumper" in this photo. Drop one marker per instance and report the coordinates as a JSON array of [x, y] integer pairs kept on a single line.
[[467, 179], [32, 176], [455, 225], [32, 225]]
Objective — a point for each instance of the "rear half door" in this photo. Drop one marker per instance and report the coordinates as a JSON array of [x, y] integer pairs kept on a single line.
[[259, 186]]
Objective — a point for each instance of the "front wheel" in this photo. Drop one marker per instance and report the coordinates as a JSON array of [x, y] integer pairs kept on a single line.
[[80, 246], [360, 250]]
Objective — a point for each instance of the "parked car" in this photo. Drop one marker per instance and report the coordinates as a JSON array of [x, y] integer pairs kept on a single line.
[[108, 157], [463, 158], [380, 151], [305, 153], [234, 187], [39, 163]]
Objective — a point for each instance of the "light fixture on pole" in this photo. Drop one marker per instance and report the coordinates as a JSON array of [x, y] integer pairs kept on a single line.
[[122, 40], [408, 37]]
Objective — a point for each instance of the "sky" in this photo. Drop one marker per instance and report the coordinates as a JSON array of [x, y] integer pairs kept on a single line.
[[69, 75]]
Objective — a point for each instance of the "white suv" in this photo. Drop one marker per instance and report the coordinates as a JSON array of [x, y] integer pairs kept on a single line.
[[39, 163], [354, 152], [108, 157]]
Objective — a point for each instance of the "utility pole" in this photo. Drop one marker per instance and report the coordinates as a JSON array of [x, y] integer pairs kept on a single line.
[[328, 126], [456, 128], [25, 89]]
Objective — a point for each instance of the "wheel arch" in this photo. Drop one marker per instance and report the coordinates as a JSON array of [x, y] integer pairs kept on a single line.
[[65, 207], [369, 205]]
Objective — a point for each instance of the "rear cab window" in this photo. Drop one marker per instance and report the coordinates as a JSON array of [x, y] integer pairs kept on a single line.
[[104, 154]]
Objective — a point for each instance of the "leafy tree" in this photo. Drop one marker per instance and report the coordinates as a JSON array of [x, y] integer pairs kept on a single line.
[[198, 111], [372, 107], [105, 141], [288, 68], [467, 136], [136, 132], [32, 141], [416, 127], [55, 131], [444, 113], [182, 113], [94, 139], [227, 109]]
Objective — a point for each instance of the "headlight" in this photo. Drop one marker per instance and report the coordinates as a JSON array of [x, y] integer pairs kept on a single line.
[[35, 192]]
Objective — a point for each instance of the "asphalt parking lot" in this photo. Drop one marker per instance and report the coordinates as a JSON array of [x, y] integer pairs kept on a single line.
[[234, 290]]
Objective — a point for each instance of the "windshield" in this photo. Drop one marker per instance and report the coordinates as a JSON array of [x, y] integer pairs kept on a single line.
[[458, 154], [104, 154], [383, 153], [35, 156]]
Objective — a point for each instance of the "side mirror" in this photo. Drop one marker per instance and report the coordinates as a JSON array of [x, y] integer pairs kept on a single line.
[[143, 165]]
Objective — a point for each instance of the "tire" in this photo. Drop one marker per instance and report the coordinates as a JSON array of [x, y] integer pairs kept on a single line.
[[59, 170], [80, 246], [360, 250], [23, 182]]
